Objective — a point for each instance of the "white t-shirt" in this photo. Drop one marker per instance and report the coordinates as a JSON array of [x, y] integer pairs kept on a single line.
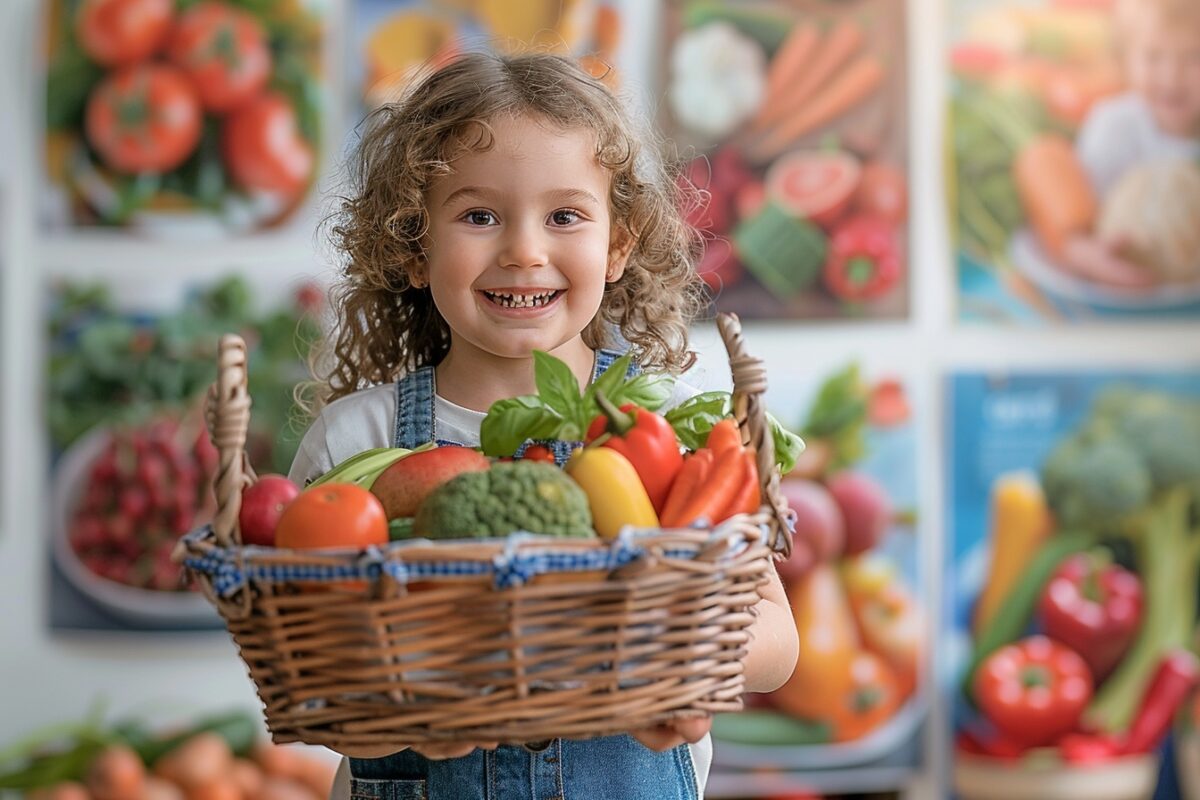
[[1120, 133], [367, 419]]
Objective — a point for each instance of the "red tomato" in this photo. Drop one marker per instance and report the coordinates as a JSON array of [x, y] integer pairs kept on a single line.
[[883, 192], [224, 51], [116, 33], [263, 148], [144, 118], [332, 515], [872, 698]]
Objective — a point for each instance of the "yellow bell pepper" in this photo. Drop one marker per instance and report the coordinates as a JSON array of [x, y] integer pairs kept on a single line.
[[614, 491], [1020, 522]]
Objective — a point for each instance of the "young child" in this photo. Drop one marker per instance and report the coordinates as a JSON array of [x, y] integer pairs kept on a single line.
[[1158, 118], [505, 205]]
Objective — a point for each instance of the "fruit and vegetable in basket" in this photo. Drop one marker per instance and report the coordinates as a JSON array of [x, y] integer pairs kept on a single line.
[[1097, 556], [219, 756]]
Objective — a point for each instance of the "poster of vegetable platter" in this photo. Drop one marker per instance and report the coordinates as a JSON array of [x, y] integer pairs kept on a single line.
[[395, 39], [131, 461], [1074, 159], [856, 701], [192, 118], [792, 118], [1071, 582]]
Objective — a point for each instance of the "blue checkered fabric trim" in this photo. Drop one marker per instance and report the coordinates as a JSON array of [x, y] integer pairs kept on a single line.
[[230, 570]]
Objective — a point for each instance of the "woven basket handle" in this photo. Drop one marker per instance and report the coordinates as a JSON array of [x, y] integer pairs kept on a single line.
[[227, 413], [749, 384]]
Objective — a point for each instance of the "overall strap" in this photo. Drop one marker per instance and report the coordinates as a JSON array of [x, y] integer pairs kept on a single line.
[[605, 359], [414, 409]]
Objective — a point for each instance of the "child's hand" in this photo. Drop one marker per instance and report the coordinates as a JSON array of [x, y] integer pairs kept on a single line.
[[664, 737], [1102, 262]]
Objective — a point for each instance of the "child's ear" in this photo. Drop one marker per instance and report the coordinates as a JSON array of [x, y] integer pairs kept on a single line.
[[618, 255]]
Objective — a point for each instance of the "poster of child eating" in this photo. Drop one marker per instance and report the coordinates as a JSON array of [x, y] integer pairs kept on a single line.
[[1074, 174]]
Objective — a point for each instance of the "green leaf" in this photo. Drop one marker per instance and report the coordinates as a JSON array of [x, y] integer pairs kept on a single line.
[[557, 386], [68, 83], [788, 446], [609, 382], [646, 390], [511, 421], [695, 417]]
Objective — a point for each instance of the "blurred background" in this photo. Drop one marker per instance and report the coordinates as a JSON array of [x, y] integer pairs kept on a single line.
[[964, 235]]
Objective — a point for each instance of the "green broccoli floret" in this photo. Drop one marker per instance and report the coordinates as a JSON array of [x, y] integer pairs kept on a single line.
[[510, 496], [1093, 480], [1165, 431]]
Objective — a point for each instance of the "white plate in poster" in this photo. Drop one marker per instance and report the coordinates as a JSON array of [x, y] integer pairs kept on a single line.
[[1035, 264], [884, 740], [132, 605]]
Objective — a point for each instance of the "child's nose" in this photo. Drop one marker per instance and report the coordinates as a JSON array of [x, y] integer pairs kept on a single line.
[[524, 246]]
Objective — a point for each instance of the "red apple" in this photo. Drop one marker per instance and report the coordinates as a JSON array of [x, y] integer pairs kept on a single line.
[[866, 509], [818, 523], [402, 486], [262, 505]]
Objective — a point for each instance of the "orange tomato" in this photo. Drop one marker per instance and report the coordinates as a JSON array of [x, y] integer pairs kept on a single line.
[[120, 32], [870, 700], [332, 515]]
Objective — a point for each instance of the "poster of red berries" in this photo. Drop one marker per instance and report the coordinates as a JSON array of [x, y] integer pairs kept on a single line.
[[171, 118], [132, 464], [791, 118]]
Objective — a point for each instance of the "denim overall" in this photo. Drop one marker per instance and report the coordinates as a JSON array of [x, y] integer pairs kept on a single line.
[[608, 768]]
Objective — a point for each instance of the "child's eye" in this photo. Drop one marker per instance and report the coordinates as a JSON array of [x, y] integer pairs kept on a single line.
[[564, 217], [478, 216]]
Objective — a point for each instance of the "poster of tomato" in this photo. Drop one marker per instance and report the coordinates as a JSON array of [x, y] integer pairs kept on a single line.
[[395, 39], [1071, 582], [132, 464], [197, 118], [792, 119], [1074, 148], [856, 701]]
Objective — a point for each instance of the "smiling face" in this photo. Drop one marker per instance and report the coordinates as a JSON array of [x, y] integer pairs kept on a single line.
[[518, 245], [1163, 64]]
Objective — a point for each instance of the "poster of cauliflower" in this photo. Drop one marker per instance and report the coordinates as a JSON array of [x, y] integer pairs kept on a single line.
[[1073, 512], [856, 700], [181, 117], [791, 117], [132, 463], [1074, 159], [395, 39]]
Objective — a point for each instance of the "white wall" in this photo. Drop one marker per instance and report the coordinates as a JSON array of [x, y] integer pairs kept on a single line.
[[45, 678]]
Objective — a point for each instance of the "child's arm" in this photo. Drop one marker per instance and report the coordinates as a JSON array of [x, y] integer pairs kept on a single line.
[[774, 644]]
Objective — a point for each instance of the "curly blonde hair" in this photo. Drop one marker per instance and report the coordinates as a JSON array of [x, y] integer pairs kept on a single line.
[[386, 325]]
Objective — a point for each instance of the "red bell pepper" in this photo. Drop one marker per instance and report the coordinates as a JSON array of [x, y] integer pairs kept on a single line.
[[864, 260], [646, 439], [1177, 674], [1094, 607], [1089, 748], [1034, 690]]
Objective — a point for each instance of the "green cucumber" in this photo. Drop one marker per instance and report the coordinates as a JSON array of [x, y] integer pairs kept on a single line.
[[768, 728], [785, 253]]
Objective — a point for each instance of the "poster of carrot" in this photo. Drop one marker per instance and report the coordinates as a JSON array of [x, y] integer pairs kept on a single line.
[[1074, 159], [1071, 584], [131, 461], [395, 39], [181, 117], [792, 119]]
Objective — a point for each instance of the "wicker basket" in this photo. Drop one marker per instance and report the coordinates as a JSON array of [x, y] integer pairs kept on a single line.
[[517, 639]]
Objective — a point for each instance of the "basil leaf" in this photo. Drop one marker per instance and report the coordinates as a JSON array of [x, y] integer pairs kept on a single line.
[[695, 417], [788, 446], [511, 421], [557, 386], [646, 391], [609, 383]]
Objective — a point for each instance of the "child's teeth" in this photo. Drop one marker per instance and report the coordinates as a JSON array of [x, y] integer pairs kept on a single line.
[[520, 300]]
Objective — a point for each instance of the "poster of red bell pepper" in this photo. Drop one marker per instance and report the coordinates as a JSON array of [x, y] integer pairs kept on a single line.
[[790, 122], [1072, 565], [182, 118]]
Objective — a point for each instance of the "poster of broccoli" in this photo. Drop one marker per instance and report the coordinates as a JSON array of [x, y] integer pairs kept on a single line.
[[790, 118], [1073, 511], [1073, 148], [132, 462]]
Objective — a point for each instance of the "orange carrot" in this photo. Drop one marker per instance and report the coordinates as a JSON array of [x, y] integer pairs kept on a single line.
[[853, 86], [691, 475], [607, 24], [724, 435], [829, 56], [749, 494], [1055, 191], [709, 500], [787, 65]]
